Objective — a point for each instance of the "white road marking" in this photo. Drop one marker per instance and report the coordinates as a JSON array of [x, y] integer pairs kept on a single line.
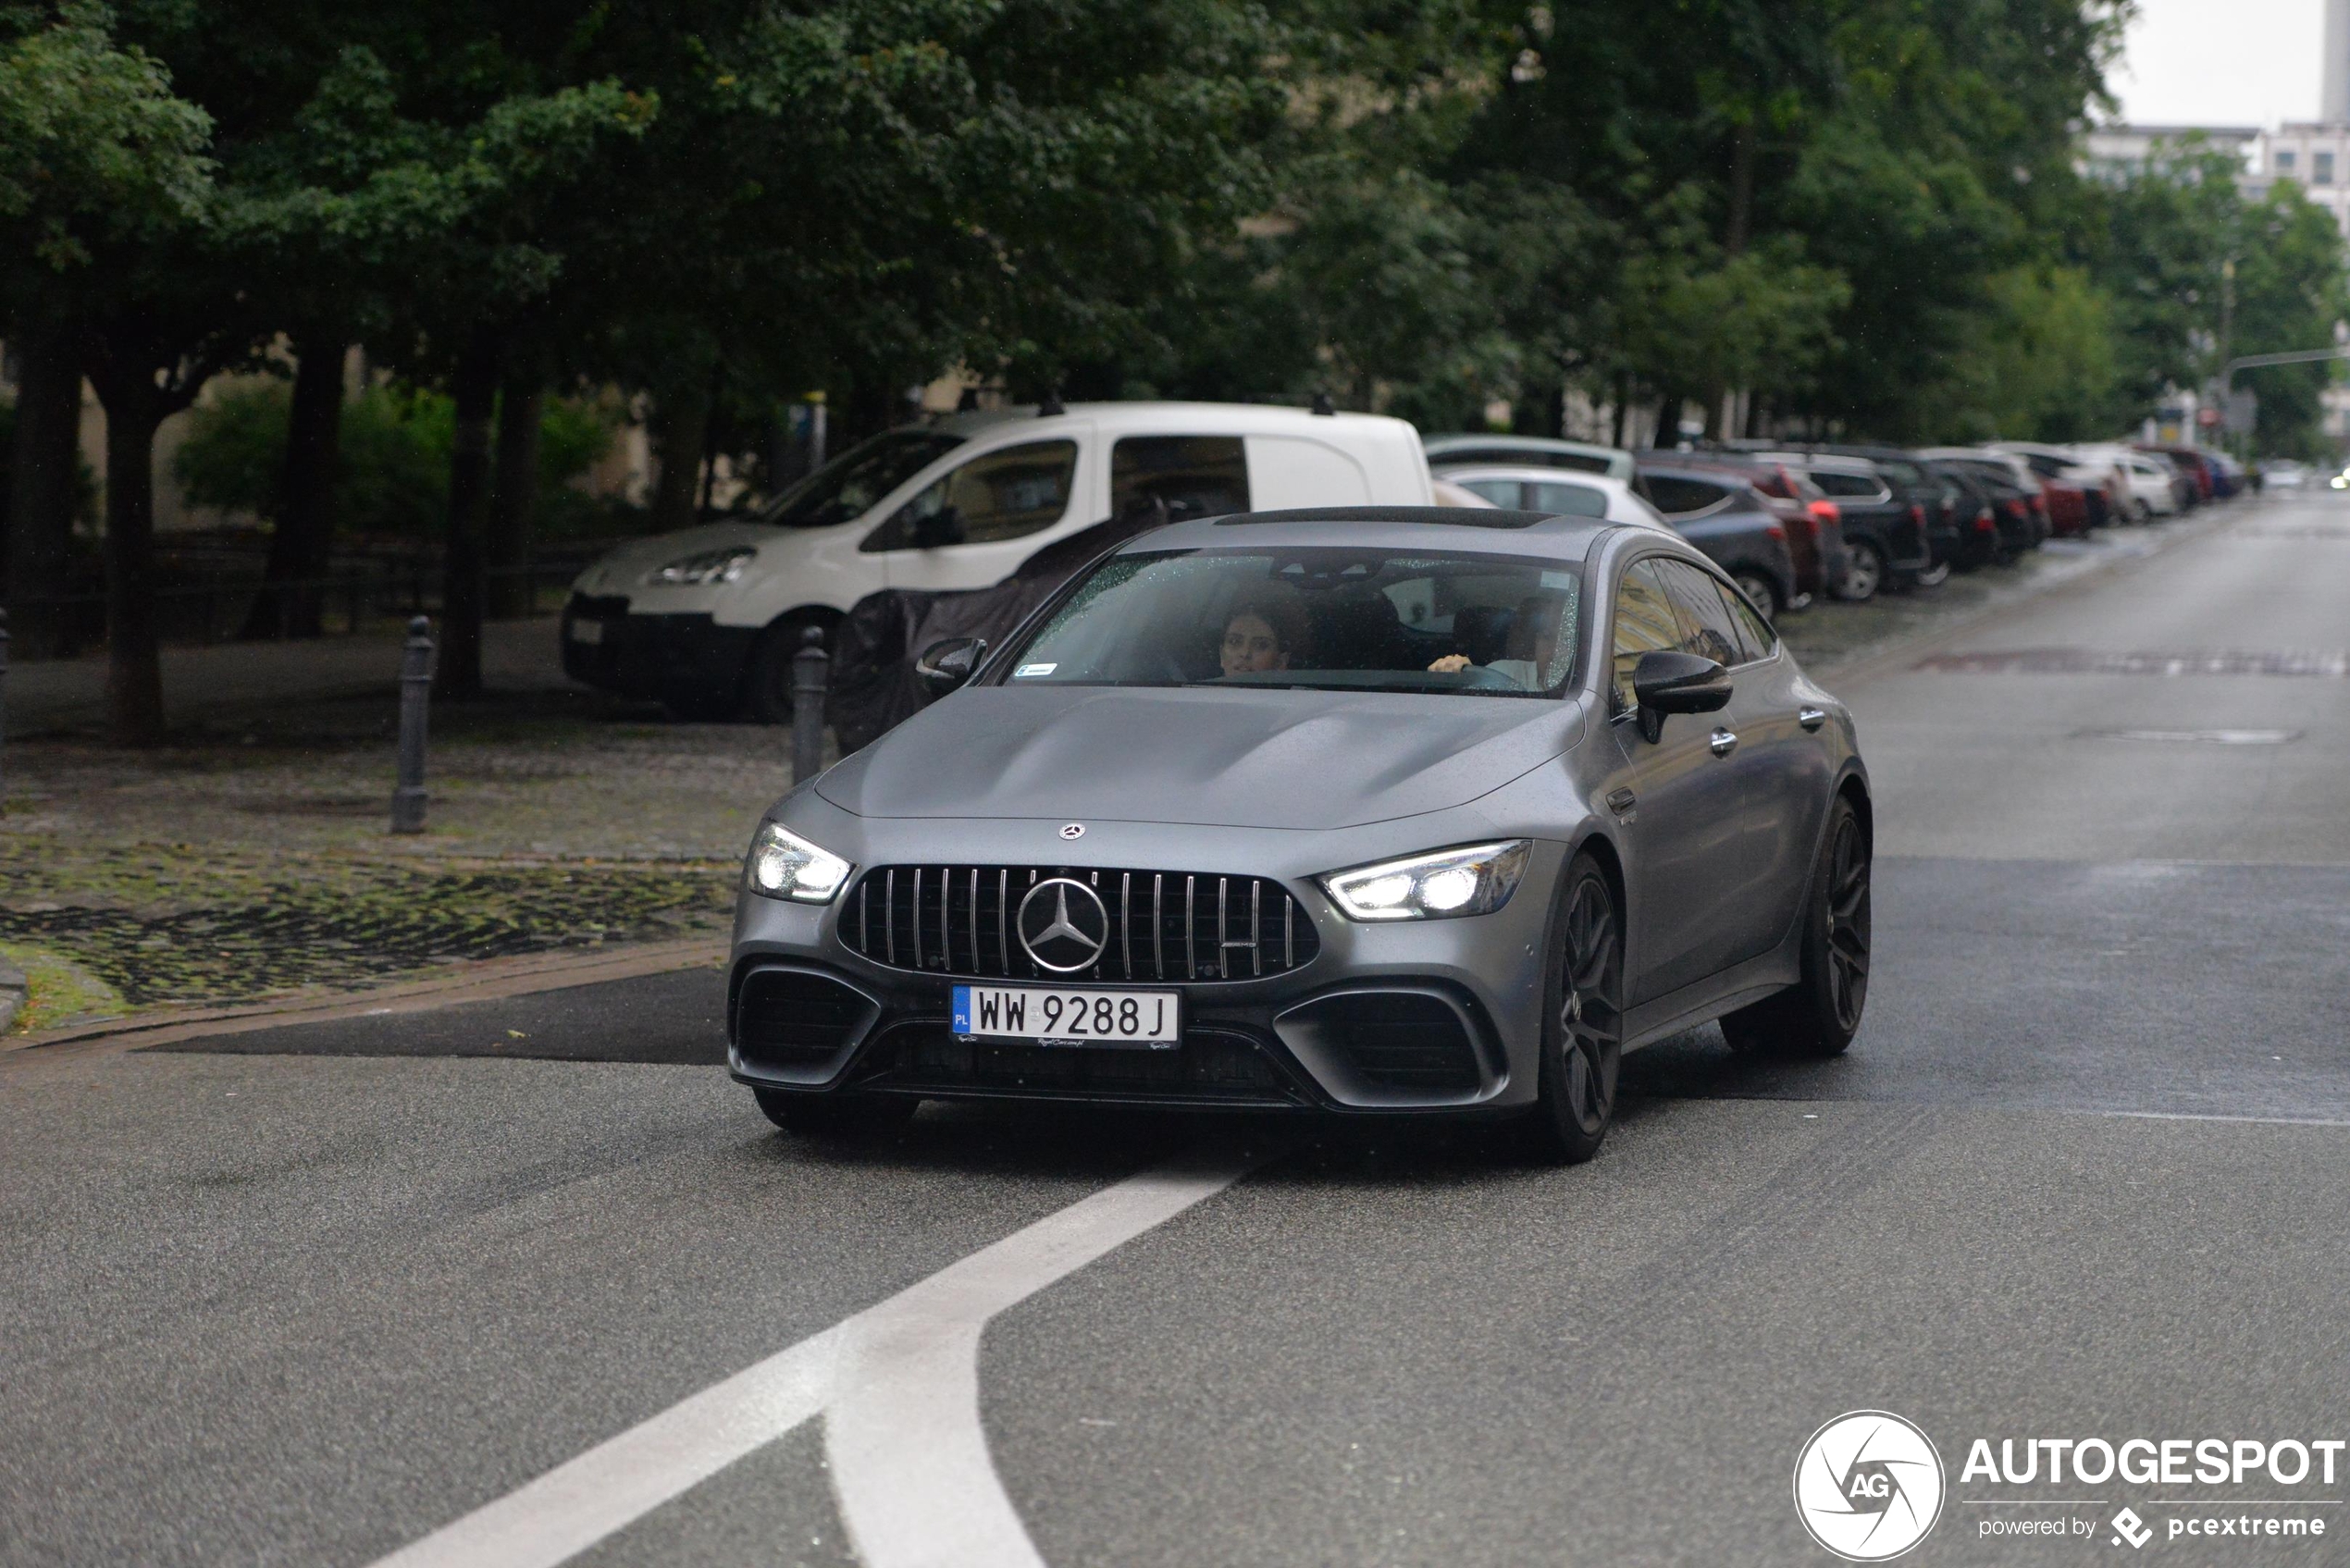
[[899, 1384]]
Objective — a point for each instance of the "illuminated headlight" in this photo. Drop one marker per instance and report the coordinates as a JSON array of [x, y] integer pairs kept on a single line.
[[1473, 881], [710, 567], [783, 865]]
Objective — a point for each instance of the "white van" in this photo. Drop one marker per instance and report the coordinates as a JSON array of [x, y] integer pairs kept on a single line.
[[707, 619]]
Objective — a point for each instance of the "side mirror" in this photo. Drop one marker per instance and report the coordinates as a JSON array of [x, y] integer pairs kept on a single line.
[[1666, 683], [944, 526], [945, 665]]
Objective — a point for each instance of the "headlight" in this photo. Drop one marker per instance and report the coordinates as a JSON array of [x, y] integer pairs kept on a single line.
[[783, 865], [1476, 880], [710, 567]]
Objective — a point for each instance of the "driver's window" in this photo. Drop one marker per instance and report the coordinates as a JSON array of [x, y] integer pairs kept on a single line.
[[1001, 495], [1644, 623]]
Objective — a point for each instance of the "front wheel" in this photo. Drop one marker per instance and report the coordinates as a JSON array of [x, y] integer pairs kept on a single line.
[[1819, 1013], [1862, 574], [1583, 1023]]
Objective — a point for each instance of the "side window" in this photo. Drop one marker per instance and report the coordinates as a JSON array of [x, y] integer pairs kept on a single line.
[[1195, 476], [1644, 623], [1706, 627], [1756, 640], [1567, 500], [1501, 492], [1836, 484], [1001, 495], [1678, 498]]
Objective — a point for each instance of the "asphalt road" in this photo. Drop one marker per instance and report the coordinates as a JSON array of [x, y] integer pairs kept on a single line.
[[309, 1295]]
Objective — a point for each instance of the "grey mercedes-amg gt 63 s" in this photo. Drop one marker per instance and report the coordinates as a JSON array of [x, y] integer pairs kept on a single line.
[[1377, 810]]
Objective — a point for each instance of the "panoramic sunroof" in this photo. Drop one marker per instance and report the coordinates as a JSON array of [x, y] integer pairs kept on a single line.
[[1444, 516]]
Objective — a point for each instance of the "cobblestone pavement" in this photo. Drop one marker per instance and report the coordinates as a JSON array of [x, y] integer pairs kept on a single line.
[[251, 856]]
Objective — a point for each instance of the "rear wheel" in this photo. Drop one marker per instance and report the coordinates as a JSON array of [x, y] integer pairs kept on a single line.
[[1583, 1029], [836, 1115], [1863, 574], [1819, 1014]]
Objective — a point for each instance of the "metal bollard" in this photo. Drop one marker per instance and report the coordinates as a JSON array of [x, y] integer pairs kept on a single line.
[[3, 712], [811, 673], [415, 698]]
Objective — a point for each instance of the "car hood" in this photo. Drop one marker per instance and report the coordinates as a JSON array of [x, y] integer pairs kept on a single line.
[[623, 569], [1203, 757]]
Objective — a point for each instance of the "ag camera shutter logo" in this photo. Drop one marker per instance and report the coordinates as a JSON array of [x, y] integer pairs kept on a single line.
[[1868, 1486]]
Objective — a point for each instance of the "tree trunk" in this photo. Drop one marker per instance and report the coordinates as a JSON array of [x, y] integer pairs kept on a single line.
[[304, 530], [134, 653], [1623, 409], [684, 421], [1539, 410], [458, 676], [514, 499], [1668, 419], [43, 460]]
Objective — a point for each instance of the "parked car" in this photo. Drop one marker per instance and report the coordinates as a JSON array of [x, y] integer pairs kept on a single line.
[[2284, 473], [2081, 494], [1916, 486], [2150, 487], [1555, 494], [2189, 461], [1523, 452], [1732, 523], [2022, 500], [2228, 476], [1971, 514], [1814, 524], [1108, 865], [707, 620], [1883, 527]]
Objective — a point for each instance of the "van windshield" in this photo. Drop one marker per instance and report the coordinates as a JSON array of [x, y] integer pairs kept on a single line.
[[1326, 618], [847, 488]]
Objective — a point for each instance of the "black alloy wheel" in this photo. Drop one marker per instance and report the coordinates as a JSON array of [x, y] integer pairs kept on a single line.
[[1819, 1013], [1583, 1035]]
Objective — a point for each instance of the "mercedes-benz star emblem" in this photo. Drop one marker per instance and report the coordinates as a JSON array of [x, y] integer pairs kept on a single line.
[[1072, 830], [1063, 925]]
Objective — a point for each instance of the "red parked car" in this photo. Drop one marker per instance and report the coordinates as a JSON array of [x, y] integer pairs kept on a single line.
[[2191, 463]]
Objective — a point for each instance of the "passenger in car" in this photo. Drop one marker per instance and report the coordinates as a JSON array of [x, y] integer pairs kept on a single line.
[[1534, 639], [1262, 634]]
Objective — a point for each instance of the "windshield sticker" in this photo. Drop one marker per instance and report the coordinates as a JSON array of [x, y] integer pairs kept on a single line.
[[1033, 669]]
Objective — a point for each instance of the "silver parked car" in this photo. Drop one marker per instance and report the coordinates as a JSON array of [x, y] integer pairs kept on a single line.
[[1374, 810]]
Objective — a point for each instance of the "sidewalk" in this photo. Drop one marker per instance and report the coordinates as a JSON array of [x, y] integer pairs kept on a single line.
[[71, 694]]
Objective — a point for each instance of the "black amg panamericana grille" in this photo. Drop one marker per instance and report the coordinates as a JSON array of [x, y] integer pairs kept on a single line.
[[1163, 925]]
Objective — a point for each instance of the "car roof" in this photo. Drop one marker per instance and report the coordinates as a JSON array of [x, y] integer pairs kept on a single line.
[[1466, 529], [1534, 472], [1840, 462], [1180, 418], [1438, 444]]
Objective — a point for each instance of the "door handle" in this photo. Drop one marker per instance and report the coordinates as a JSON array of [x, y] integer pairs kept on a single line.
[[1810, 717], [1723, 743], [1620, 802]]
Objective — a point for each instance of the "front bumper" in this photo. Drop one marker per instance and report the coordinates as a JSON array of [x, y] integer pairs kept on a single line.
[[687, 658], [1408, 1017]]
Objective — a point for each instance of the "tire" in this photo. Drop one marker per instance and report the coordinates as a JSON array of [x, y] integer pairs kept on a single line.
[[1761, 591], [768, 681], [1863, 575], [1933, 576], [1582, 1021], [1819, 1013], [836, 1115]]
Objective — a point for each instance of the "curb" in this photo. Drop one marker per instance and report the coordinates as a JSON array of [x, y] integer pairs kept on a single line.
[[13, 988], [482, 982]]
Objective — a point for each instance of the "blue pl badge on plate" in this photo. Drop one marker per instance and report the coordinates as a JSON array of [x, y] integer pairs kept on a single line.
[[962, 1009]]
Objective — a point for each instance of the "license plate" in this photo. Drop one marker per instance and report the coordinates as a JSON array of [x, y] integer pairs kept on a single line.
[[589, 631], [1149, 1019]]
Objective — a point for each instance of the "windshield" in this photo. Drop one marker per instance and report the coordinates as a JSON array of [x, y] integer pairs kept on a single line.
[[1326, 618], [847, 488]]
